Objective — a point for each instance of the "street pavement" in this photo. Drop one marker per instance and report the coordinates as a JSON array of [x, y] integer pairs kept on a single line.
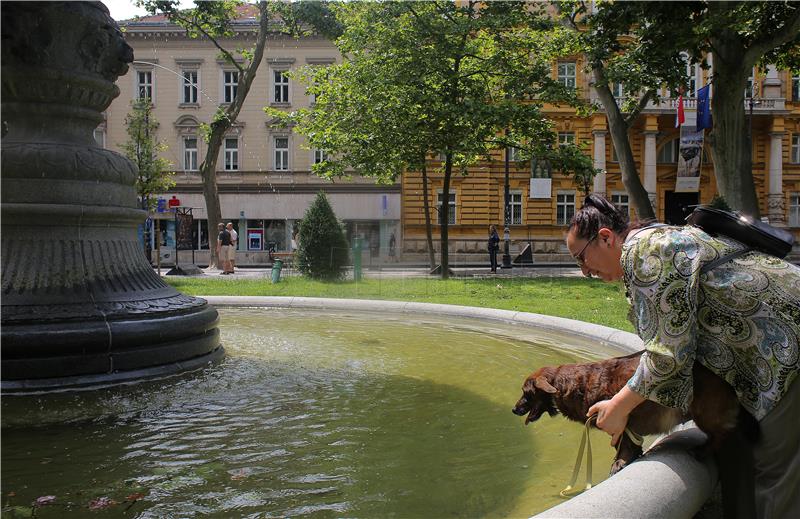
[[400, 271]]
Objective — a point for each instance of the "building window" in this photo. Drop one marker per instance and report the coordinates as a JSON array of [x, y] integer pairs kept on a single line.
[[230, 83], [100, 137], [514, 154], [281, 153], [515, 207], [794, 209], [566, 73], [231, 154], [189, 87], [200, 235], [796, 88], [617, 90], [750, 89], [668, 154], [144, 84], [621, 201], [320, 156], [614, 157], [565, 138], [281, 80], [795, 159], [451, 202], [565, 208], [190, 154], [691, 75]]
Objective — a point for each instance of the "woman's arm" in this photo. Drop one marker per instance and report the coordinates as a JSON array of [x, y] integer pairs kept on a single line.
[[612, 415]]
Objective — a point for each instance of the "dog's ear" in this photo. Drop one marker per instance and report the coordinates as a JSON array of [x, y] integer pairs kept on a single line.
[[544, 385]]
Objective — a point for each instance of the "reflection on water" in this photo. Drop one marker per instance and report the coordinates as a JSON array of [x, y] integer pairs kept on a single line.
[[311, 414]]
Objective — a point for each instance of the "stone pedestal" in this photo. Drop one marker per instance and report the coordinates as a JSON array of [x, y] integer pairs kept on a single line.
[[80, 303]]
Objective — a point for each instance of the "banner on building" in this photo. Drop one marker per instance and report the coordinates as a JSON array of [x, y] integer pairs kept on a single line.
[[690, 155], [541, 185]]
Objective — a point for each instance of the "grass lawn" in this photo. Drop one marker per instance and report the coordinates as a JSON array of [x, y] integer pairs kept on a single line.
[[583, 299]]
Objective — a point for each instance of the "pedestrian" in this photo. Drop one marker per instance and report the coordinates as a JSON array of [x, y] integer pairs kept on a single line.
[[741, 320], [223, 249], [494, 246], [392, 247], [234, 245]]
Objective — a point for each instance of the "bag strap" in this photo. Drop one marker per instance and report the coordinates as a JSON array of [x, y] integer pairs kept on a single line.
[[724, 259]]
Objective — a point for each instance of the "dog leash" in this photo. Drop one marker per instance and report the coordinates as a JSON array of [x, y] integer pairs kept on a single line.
[[586, 444]]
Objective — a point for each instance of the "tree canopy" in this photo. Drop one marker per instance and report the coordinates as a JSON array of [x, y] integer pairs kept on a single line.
[[456, 79]]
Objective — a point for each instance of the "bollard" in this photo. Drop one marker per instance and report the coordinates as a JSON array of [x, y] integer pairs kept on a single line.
[[357, 259], [277, 265]]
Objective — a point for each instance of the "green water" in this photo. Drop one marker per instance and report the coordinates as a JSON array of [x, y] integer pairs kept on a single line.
[[310, 414]]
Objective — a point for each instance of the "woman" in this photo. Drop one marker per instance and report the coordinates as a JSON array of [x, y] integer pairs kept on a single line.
[[494, 246], [741, 320]]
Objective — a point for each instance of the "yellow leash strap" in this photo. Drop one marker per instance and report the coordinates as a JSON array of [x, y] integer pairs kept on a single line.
[[586, 443]]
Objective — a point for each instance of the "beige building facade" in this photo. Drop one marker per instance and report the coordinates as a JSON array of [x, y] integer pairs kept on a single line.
[[263, 173]]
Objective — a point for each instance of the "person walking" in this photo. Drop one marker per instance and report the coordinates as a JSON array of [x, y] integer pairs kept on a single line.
[[392, 248], [494, 246], [741, 320], [223, 249], [234, 245]]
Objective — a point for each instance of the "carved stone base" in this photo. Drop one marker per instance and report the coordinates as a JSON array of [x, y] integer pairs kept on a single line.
[[80, 303]]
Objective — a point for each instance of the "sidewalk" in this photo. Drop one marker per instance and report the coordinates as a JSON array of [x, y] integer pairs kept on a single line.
[[399, 271]]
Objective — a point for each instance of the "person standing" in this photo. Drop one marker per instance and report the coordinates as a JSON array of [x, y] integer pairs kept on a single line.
[[223, 249], [234, 245], [494, 246], [392, 248], [741, 320]]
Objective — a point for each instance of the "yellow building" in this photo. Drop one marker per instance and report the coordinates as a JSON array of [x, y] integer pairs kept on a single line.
[[539, 216]]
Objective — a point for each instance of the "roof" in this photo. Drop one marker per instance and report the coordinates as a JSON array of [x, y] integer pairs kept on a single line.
[[246, 14]]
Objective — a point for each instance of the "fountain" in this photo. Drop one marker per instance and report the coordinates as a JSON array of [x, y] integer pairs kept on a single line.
[[80, 303]]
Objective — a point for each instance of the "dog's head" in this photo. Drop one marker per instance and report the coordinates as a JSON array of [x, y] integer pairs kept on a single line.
[[537, 398]]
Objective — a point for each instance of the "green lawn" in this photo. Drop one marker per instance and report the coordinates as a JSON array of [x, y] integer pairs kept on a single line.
[[587, 300]]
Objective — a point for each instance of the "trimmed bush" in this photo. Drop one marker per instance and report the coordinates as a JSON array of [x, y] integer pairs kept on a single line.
[[322, 251]]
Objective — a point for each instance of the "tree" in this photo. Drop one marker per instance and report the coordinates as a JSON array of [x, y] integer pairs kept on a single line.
[[213, 20], [322, 252], [640, 43], [440, 77], [154, 173]]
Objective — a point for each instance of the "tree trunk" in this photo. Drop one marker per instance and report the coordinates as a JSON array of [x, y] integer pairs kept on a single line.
[[208, 172], [208, 169], [427, 209], [731, 142], [444, 214], [618, 129]]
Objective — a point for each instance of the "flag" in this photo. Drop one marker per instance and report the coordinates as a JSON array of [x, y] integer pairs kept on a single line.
[[703, 108], [680, 118]]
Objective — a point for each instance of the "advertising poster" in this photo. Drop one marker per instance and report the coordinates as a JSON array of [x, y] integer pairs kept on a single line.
[[690, 154]]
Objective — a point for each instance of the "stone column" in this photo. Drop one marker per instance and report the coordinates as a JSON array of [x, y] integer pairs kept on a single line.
[[81, 305], [776, 201], [600, 161], [650, 174]]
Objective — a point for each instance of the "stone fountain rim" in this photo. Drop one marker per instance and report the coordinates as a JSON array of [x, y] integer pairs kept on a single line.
[[625, 341]]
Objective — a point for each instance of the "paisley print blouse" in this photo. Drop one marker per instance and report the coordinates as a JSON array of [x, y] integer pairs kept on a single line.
[[741, 320]]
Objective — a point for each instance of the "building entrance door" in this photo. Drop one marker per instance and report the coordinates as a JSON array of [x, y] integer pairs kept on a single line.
[[677, 206]]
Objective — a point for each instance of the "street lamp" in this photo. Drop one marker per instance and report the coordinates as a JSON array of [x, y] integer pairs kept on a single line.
[[506, 216]]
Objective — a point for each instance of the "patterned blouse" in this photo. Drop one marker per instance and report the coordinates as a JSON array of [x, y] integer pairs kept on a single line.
[[741, 319]]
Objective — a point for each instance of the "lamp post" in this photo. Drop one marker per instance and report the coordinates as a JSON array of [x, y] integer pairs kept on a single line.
[[506, 216]]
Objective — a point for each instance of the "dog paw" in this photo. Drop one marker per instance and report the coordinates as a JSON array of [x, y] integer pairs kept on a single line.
[[617, 466]]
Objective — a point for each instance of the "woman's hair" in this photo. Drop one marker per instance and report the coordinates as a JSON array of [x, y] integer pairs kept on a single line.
[[491, 228], [596, 213]]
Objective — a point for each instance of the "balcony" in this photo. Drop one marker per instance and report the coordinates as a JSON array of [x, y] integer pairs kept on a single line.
[[761, 105]]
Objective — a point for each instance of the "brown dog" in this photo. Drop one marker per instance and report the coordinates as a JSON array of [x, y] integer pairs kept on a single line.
[[571, 389]]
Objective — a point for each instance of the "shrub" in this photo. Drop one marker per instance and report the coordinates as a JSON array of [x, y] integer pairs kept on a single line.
[[322, 251]]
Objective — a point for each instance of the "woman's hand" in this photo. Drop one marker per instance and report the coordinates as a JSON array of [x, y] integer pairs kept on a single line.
[[610, 418], [612, 415]]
